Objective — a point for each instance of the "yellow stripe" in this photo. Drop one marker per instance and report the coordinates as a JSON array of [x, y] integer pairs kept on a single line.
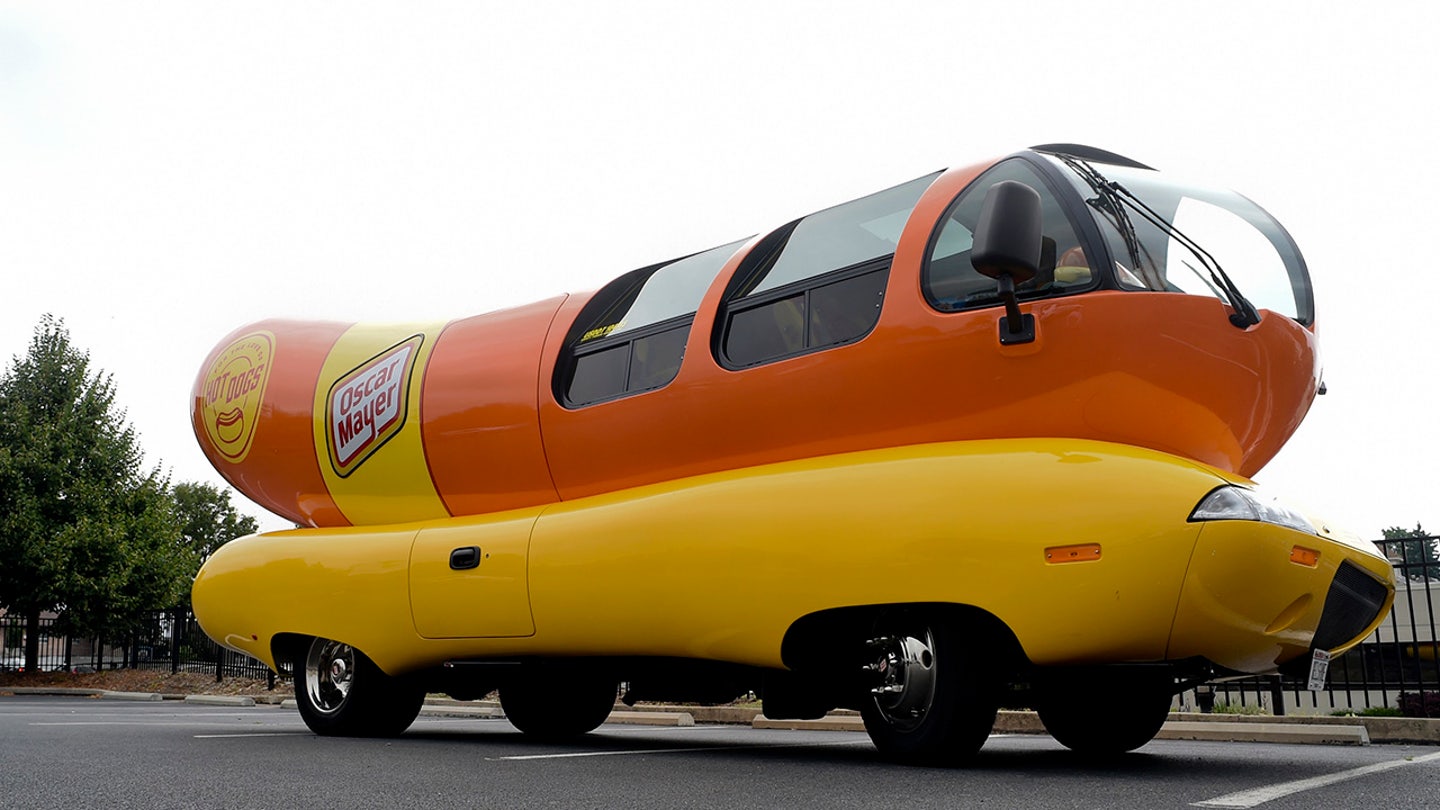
[[367, 424]]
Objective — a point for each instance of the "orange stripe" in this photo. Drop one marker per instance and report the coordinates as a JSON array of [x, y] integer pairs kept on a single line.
[[479, 424], [279, 469]]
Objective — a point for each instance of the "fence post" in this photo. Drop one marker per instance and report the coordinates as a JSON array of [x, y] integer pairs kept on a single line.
[[175, 641]]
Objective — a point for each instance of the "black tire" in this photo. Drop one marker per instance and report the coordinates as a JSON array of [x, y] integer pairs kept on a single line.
[[554, 703], [1105, 719], [936, 702], [341, 693]]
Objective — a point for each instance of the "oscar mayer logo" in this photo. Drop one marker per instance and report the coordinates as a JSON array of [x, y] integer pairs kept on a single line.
[[367, 407], [234, 389]]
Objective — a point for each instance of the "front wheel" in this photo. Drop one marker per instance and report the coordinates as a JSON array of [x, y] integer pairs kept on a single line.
[[342, 693], [935, 703]]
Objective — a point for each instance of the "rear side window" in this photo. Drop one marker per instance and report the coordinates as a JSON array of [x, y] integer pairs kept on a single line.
[[631, 336], [817, 282]]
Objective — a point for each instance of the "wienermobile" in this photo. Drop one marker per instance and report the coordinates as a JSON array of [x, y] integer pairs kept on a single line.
[[980, 439]]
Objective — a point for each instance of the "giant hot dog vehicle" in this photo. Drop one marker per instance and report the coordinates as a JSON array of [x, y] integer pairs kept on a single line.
[[980, 439]]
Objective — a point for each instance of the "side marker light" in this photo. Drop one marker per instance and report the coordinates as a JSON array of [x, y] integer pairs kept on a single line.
[[1307, 557], [1086, 552]]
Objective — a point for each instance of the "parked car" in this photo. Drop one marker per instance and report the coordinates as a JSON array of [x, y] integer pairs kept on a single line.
[[12, 661]]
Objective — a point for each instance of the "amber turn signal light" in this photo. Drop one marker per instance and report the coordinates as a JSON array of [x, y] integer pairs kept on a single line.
[[1086, 552]]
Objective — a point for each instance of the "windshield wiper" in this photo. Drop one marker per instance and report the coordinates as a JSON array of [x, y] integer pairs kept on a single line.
[[1244, 314], [1108, 202], [1113, 198]]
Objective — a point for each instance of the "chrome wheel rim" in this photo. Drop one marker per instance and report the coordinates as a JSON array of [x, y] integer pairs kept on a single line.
[[329, 673], [906, 666]]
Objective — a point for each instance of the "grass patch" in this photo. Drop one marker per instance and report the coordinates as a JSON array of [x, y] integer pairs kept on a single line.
[[1223, 707]]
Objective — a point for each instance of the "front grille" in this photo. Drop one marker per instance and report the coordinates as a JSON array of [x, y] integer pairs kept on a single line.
[[1352, 603]]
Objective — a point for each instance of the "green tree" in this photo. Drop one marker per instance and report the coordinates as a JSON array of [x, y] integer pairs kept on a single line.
[[84, 531], [207, 519], [1418, 552]]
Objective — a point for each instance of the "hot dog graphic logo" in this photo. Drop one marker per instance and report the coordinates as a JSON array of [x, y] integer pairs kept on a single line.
[[368, 406], [234, 389]]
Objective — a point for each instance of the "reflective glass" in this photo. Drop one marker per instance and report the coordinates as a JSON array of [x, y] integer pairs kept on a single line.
[[655, 359], [846, 310], [767, 331], [674, 290], [846, 235], [950, 281], [1205, 224], [600, 375]]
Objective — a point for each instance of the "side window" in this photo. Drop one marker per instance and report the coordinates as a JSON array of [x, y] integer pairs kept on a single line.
[[631, 336], [816, 283], [951, 283]]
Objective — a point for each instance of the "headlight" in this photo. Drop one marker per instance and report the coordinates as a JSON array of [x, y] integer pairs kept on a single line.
[[1239, 503]]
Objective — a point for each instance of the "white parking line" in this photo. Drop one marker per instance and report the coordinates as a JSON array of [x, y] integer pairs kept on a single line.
[[255, 734], [611, 729], [150, 723], [1260, 795], [704, 750]]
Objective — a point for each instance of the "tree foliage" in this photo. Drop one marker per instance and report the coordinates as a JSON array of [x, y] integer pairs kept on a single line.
[[1418, 553], [207, 519], [84, 530]]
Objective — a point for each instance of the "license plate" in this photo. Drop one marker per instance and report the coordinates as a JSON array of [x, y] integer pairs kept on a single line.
[[1319, 668]]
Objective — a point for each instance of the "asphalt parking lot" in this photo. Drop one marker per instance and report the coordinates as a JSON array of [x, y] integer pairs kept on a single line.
[[66, 752]]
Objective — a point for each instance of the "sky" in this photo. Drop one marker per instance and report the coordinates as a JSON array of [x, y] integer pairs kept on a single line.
[[170, 171]]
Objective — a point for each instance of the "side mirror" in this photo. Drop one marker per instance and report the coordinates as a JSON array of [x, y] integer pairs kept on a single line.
[[1007, 248]]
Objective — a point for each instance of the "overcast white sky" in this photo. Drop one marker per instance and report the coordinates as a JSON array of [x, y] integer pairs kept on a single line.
[[172, 170]]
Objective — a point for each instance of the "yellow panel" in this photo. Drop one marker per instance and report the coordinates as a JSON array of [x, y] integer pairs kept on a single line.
[[367, 423], [1244, 604], [490, 599], [345, 584], [720, 566]]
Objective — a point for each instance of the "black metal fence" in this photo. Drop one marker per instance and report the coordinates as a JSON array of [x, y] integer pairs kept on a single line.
[[1397, 668], [167, 640]]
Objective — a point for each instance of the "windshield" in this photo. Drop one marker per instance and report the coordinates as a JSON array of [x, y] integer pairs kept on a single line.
[[1192, 240]]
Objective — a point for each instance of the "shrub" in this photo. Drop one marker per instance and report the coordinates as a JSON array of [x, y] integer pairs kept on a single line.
[[1420, 704]]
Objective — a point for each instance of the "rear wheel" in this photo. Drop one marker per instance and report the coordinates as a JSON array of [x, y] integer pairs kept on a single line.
[[340, 692], [1105, 717], [935, 704], [553, 703]]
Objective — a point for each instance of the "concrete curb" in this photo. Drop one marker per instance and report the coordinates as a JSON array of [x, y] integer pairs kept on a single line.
[[49, 691], [490, 710], [477, 712], [633, 718], [140, 696], [1293, 733], [827, 723], [1411, 730], [220, 700]]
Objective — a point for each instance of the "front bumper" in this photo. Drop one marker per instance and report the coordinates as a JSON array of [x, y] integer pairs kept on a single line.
[[1257, 595]]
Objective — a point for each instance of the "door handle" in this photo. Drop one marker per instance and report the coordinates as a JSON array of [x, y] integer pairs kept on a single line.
[[463, 559]]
